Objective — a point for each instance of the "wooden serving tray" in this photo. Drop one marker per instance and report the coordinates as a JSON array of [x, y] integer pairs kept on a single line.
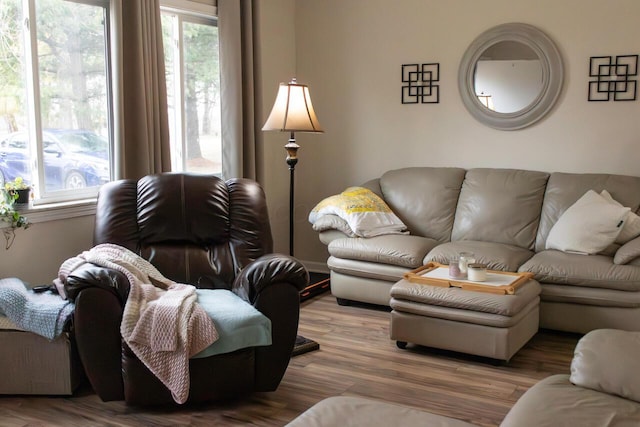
[[498, 282]]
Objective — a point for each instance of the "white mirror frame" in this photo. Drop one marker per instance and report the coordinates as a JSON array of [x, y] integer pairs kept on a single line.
[[552, 76]]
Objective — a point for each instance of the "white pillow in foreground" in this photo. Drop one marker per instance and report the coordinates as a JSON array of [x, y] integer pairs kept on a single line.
[[631, 227], [589, 225]]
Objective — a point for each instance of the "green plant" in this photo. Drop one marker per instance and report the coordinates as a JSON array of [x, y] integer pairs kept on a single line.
[[11, 216], [16, 184]]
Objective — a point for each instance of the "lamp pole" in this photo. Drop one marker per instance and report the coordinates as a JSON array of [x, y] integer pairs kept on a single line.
[[292, 160]]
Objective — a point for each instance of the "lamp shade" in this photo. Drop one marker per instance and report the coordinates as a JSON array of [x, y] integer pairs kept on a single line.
[[293, 111]]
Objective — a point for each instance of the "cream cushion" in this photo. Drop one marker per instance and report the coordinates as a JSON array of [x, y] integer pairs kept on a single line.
[[628, 252], [588, 226], [631, 226], [607, 360]]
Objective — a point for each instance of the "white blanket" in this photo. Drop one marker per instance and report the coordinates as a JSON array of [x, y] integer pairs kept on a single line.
[[162, 322]]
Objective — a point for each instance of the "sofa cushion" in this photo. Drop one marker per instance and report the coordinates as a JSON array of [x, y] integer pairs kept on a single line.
[[554, 401], [365, 269], [628, 252], [424, 198], [563, 189], [460, 299], [353, 411], [607, 360], [631, 227], [497, 256], [594, 271], [500, 205], [588, 226], [394, 249], [599, 297]]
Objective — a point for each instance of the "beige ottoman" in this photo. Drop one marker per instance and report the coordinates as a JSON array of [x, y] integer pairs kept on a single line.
[[31, 364], [348, 411], [479, 323]]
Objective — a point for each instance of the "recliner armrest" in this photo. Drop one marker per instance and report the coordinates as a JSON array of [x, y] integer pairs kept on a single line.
[[267, 270], [91, 275], [99, 294]]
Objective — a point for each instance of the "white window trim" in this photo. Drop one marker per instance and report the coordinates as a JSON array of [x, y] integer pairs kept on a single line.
[[57, 211], [190, 7], [183, 11], [50, 202]]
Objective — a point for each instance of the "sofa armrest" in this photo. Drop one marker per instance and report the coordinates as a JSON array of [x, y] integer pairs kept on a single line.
[[554, 401], [607, 360]]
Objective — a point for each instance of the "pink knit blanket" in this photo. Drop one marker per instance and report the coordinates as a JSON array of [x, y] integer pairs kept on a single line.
[[162, 322]]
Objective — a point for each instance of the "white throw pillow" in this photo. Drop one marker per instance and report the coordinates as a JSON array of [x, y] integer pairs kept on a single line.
[[631, 227], [588, 226]]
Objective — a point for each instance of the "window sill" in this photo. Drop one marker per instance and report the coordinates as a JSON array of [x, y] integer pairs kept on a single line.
[[57, 211]]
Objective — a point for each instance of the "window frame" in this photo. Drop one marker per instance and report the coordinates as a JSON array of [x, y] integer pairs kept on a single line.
[[33, 104], [191, 12]]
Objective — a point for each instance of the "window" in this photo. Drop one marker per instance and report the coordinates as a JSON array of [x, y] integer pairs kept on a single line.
[[55, 111], [193, 90]]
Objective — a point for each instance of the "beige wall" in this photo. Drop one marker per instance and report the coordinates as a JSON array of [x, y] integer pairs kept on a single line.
[[37, 252], [350, 52], [276, 47]]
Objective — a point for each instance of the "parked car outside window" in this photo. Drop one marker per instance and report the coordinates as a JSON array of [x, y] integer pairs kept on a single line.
[[72, 159]]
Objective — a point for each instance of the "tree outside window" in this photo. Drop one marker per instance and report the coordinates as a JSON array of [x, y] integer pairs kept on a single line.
[[193, 91]]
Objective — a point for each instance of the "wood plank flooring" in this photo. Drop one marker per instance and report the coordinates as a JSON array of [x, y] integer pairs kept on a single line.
[[356, 357]]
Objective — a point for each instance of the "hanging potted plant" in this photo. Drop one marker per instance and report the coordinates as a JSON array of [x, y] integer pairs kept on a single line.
[[9, 197]]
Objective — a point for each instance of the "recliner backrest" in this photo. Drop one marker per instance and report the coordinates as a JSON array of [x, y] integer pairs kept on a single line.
[[195, 229]]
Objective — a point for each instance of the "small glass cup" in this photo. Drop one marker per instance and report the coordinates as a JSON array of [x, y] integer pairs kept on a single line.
[[454, 268], [464, 259]]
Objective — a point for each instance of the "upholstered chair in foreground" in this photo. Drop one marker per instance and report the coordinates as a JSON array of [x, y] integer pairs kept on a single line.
[[199, 230]]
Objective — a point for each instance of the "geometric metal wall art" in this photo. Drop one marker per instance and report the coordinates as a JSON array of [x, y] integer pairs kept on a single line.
[[613, 78], [419, 83]]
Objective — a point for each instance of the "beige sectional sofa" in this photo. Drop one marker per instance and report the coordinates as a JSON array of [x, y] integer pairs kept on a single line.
[[503, 216], [602, 389]]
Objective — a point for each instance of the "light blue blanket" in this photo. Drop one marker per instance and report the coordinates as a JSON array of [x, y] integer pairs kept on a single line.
[[43, 314]]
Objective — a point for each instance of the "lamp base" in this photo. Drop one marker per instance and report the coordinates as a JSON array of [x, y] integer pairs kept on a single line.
[[304, 345]]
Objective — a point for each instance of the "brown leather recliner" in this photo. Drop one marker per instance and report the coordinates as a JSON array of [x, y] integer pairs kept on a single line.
[[199, 230]]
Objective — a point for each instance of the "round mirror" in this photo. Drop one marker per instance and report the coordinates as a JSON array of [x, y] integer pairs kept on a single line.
[[510, 76]]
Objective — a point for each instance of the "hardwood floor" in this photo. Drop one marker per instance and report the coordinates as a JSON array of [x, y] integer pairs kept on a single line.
[[356, 357]]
